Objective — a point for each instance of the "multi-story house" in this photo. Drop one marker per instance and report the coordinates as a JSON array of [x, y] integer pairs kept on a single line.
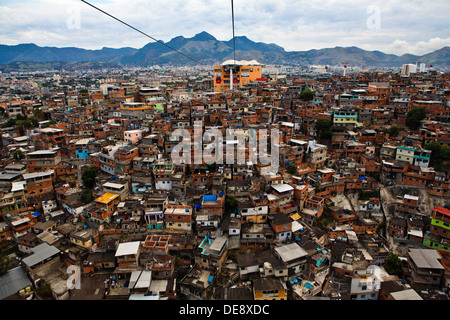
[[425, 266], [294, 257], [405, 153], [178, 218], [163, 170], [438, 237], [43, 160], [365, 285], [127, 255], [105, 206], [281, 225], [117, 188], [285, 195], [123, 159], [154, 208], [213, 252], [84, 238], [250, 212], [407, 206], [39, 187]]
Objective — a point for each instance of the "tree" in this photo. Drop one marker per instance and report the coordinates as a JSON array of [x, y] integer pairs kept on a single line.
[[87, 196], [44, 290], [18, 155], [445, 153], [307, 95], [324, 128], [393, 264], [393, 131], [11, 122], [38, 113], [230, 203], [291, 169], [88, 177], [414, 117], [440, 156]]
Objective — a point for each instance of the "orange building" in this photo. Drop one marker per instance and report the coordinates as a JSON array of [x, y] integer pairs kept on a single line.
[[43, 160], [105, 206], [234, 74], [39, 187]]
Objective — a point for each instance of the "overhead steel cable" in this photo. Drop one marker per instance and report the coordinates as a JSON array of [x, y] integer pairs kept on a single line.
[[145, 34], [232, 24]]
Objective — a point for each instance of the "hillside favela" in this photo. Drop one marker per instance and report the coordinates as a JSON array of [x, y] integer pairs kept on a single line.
[[271, 175]]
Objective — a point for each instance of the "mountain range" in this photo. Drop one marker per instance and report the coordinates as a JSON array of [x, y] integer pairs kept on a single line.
[[206, 49]]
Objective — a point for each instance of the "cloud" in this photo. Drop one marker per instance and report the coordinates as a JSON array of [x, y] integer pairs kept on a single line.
[[418, 48], [404, 27]]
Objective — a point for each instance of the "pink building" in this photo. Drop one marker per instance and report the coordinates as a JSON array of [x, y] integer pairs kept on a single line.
[[132, 136]]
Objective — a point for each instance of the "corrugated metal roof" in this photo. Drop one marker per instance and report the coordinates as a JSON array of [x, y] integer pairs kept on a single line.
[[128, 248], [12, 282], [40, 253], [291, 252], [282, 187], [426, 258]]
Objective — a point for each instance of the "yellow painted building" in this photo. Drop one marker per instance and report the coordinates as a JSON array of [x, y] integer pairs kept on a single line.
[[269, 289], [235, 74]]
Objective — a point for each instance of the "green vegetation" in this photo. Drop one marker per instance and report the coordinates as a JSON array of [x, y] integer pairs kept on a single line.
[[22, 122], [414, 117], [87, 196], [393, 264], [4, 264], [324, 128], [48, 124], [440, 156], [231, 204], [88, 177], [324, 220], [307, 95], [291, 169], [18, 155], [44, 290], [393, 131]]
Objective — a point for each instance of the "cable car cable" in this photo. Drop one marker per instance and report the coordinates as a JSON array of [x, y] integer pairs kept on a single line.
[[232, 23], [104, 12]]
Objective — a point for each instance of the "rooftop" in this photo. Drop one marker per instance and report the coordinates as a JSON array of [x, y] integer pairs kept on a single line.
[[128, 248], [107, 197]]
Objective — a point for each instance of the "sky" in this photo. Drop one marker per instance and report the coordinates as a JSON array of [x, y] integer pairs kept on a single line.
[[391, 26]]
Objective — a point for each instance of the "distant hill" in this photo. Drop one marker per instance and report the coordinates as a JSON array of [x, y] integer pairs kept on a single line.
[[32, 52], [206, 49], [31, 66]]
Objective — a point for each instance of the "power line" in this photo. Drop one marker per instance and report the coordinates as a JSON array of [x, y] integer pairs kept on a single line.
[[139, 31]]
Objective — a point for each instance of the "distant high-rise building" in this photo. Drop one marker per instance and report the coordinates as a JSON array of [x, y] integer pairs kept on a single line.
[[407, 69], [422, 67]]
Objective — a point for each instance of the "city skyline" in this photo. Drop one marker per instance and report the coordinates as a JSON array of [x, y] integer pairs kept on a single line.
[[389, 26]]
